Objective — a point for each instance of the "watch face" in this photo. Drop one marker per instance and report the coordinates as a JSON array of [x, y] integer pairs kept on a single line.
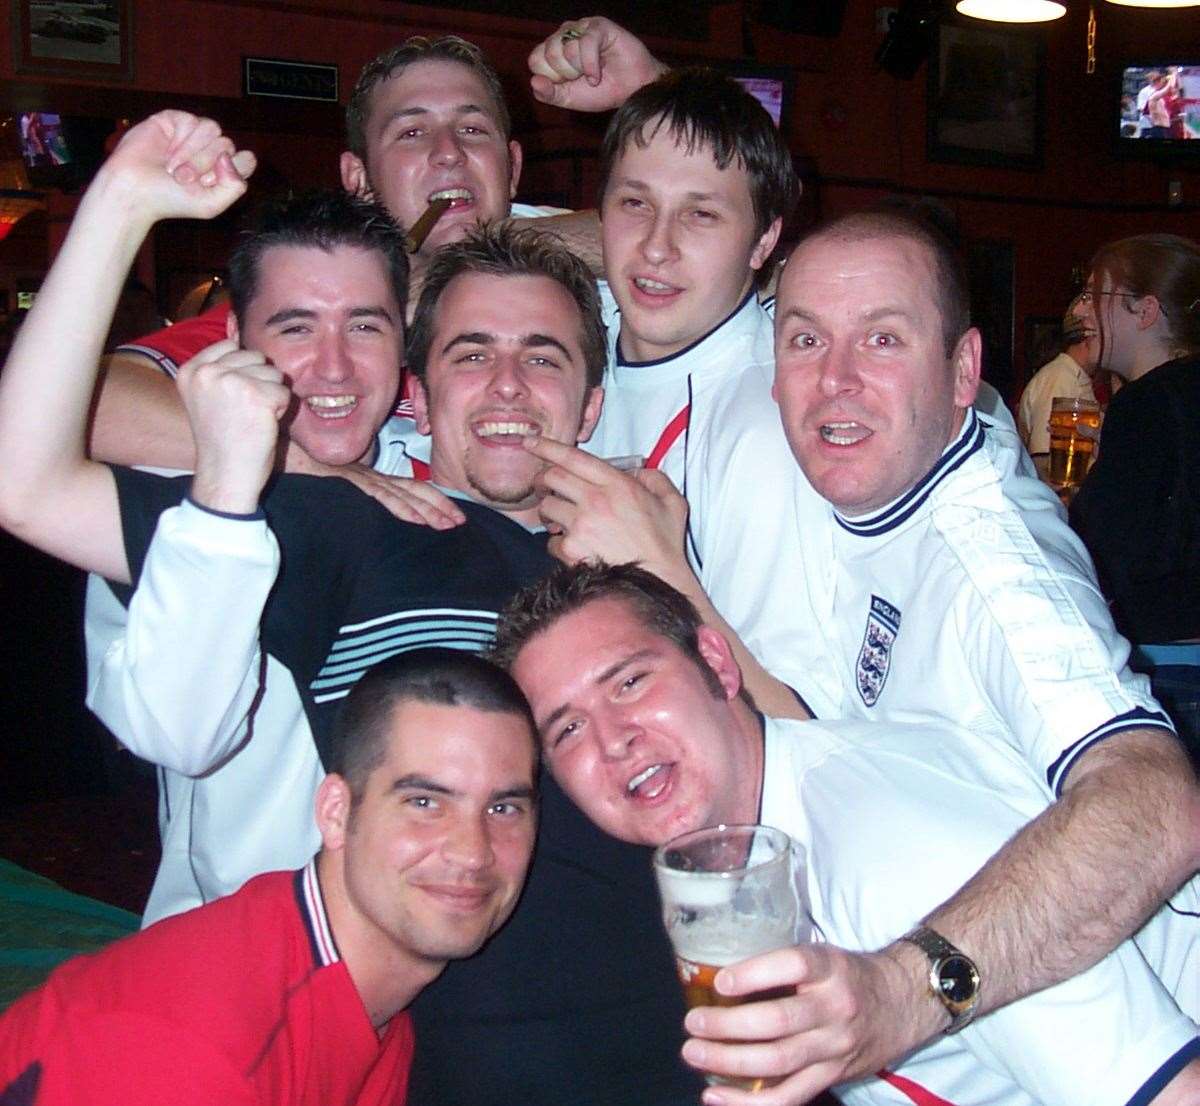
[[957, 979]]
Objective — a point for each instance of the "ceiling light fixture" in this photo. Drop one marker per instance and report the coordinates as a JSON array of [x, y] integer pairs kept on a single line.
[[1157, 3], [1015, 11]]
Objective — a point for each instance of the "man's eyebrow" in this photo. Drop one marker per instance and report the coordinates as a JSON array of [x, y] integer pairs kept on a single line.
[[418, 110], [414, 781], [367, 311], [371, 312], [532, 341], [888, 312], [602, 678], [287, 314], [798, 313], [525, 791], [692, 197], [528, 341], [470, 338]]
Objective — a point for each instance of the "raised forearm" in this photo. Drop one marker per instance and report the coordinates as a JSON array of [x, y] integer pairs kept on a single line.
[[50, 495], [580, 231], [139, 418]]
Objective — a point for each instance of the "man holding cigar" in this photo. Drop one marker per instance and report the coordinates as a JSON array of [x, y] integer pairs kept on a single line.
[[507, 341], [427, 124], [638, 710], [336, 425]]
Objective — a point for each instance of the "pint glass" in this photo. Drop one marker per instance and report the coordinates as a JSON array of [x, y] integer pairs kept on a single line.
[[728, 893], [1070, 451]]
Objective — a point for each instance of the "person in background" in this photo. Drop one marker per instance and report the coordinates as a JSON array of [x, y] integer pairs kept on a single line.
[[294, 990], [1139, 508], [1067, 374]]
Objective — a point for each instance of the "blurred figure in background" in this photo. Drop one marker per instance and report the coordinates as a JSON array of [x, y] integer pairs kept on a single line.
[[1139, 508], [1068, 374]]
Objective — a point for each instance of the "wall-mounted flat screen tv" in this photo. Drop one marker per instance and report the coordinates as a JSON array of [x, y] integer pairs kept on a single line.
[[771, 85], [1159, 109]]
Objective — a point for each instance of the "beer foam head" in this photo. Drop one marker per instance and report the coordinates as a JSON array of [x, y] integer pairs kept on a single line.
[[697, 890]]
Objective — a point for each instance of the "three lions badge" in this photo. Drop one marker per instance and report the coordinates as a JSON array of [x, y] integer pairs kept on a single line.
[[883, 624]]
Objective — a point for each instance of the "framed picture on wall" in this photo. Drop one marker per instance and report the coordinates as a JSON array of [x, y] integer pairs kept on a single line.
[[80, 38], [985, 97]]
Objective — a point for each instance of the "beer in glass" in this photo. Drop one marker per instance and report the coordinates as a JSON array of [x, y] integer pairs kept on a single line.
[[1070, 451], [728, 893]]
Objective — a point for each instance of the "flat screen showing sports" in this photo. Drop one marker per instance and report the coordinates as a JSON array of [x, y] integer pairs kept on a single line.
[[43, 145], [1160, 106], [768, 91], [773, 86]]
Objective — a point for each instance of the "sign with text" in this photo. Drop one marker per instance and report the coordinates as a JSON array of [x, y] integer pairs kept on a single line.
[[290, 80]]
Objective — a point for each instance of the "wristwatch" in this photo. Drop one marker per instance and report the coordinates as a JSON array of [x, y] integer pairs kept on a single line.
[[953, 977]]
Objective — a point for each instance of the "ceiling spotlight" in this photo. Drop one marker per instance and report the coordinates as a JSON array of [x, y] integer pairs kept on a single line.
[[1016, 11], [1156, 3]]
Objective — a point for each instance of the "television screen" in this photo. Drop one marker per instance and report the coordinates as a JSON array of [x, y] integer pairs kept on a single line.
[[43, 145], [771, 85], [1160, 105], [768, 91]]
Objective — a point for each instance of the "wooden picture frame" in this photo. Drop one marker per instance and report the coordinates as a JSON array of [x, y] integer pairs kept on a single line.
[[985, 97], [85, 38]]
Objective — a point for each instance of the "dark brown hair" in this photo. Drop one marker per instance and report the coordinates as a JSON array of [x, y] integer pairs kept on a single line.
[[1165, 266], [393, 62], [449, 677], [656, 605], [502, 249], [704, 108]]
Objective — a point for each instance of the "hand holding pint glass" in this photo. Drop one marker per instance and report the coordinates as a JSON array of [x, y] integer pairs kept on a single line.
[[728, 893], [1074, 429]]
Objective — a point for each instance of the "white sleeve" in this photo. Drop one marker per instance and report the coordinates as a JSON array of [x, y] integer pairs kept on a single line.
[[895, 822], [177, 684], [1106, 1036]]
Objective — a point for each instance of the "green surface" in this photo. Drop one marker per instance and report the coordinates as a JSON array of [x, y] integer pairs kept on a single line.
[[41, 925]]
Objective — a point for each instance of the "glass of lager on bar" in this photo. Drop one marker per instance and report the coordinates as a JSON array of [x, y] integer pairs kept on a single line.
[[728, 893], [1071, 450]]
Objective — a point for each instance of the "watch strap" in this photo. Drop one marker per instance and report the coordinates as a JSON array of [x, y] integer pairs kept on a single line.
[[938, 950]]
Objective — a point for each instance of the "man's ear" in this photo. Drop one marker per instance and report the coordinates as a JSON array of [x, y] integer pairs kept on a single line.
[[967, 363], [231, 328], [354, 176], [591, 414], [765, 245], [515, 160], [332, 809], [719, 657], [420, 404]]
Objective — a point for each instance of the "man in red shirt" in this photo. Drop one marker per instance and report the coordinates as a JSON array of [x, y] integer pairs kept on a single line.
[[294, 990]]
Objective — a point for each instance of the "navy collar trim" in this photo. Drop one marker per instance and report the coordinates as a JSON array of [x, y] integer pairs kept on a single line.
[[969, 441], [686, 349], [312, 913]]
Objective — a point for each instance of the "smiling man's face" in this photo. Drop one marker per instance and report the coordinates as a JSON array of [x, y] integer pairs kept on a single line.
[[868, 396], [435, 849], [329, 321], [433, 130], [505, 362], [632, 728], [680, 243]]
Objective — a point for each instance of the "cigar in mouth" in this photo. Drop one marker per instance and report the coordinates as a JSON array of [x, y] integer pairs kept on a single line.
[[421, 228]]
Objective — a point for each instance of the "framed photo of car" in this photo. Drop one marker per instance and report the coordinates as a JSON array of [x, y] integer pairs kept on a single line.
[[77, 38]]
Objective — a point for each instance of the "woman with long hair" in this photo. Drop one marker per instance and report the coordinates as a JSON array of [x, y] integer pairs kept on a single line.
[[1139, 508]]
